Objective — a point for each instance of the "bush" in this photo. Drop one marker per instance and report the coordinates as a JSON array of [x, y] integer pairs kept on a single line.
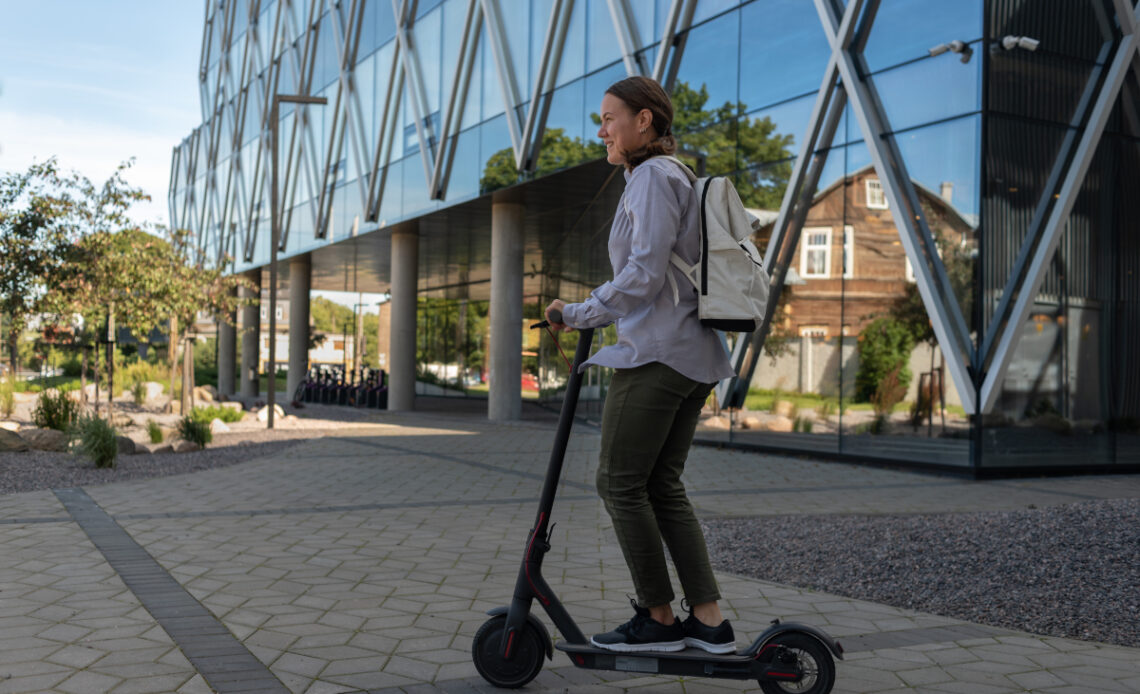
[[154, 431], [95, 439], [138, 392], [195, 431], [7, 399], [890, 392], [140, 372], [208, 413], [884, 345], [54, 410]]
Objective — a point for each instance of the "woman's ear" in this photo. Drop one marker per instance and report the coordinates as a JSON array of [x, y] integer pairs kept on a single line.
[[644, 119]]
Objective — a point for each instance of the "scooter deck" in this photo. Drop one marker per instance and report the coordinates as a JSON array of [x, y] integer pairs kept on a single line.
[[691, 661]]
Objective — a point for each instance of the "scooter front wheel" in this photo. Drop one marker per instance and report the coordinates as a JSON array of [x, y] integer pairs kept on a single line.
[[522, 667], [812, 658]]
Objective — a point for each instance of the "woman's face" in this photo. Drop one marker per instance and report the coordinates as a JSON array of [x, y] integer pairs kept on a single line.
[[621, 129]]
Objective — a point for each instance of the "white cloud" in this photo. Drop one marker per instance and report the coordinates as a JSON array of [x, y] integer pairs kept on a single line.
[[94, 150]]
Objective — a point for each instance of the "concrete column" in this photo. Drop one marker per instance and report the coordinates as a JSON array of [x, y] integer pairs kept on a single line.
[[504, 400], [300, 281], [251, 337], [227, 354], [405, 277]]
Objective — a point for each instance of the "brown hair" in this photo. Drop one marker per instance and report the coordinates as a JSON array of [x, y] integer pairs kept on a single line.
[[644, 93]]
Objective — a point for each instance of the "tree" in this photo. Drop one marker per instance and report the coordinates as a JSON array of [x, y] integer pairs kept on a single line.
[[558, 152], [36, 225]]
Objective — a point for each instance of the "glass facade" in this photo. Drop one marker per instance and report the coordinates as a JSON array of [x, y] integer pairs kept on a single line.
[[965, 279]]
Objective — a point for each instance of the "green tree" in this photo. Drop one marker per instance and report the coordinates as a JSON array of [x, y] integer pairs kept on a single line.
[[329, 316], [558, 152], [36, 226], [884, 347]]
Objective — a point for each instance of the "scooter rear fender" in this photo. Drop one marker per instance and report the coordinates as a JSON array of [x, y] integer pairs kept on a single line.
[[779, 628], [535, 622]]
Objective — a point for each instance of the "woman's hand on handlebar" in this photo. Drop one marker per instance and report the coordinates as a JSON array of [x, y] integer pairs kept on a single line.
[[554, 311]]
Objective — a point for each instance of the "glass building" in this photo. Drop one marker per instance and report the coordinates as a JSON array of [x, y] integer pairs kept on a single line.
[[947, 191]]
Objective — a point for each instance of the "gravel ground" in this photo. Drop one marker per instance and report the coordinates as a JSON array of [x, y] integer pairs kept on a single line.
[[1070, 571]]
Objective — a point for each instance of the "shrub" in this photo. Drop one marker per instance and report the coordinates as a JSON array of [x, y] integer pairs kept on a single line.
[[884, 345], [826, 408], [138, 392], [208, 413], [140, 372], [7, 399], [153, 431], [195, 431], [54, 410], [890, 392], [95, 439]]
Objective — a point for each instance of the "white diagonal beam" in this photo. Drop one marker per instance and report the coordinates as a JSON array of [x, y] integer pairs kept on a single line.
[[456, 101], [933, 285], [628, 38], [1125, 57], [543, 89], [405, 13], [504, 68]]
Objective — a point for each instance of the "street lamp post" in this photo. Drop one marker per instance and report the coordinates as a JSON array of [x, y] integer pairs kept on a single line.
[[275, 235]]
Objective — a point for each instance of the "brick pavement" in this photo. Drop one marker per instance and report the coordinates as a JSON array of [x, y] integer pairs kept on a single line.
[[366, 562]]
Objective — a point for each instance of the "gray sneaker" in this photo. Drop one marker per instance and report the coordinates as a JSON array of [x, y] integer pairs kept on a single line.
[[718, 639]]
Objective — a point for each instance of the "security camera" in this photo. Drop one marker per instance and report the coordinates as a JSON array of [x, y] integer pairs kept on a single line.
[[1023, 42], [954, 46]]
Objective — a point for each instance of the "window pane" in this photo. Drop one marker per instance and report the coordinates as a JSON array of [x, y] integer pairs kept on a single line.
[[772, 30], [602, 47], [929, 90], [908, 29], [713, 44]]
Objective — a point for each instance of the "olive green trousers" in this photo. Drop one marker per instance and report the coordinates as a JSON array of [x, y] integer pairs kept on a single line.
[[648, 421]]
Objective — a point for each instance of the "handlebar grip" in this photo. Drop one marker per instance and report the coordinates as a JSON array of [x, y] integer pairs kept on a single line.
[[555, 315]]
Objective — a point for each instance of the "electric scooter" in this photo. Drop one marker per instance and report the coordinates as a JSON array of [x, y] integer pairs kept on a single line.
[[509, 647]]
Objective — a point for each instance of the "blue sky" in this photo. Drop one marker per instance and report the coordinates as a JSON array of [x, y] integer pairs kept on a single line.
[[95, 82]]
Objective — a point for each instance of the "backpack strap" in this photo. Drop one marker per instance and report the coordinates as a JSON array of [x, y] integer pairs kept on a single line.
[[688, 172], [686, 269]]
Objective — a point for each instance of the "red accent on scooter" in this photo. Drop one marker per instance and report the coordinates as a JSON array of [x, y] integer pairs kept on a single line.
[[510, 646], [530, 545]]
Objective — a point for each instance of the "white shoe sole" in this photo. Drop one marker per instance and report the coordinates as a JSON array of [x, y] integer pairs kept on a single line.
[[717, 648], [660, 647]]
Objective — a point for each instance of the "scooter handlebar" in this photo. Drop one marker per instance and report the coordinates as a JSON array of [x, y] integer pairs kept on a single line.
[[555, 316]]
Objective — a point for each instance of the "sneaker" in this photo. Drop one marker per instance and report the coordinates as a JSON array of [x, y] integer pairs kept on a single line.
[[718, 639], [642, 633]]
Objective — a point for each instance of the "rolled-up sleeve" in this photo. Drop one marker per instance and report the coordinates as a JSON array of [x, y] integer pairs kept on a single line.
[[652, 211]]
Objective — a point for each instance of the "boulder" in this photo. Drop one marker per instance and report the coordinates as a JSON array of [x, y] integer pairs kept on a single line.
[[127, 445], [45, 439], [89, 392], [263, 413], [11, 441], [232, 406], [153, 390], [719, 422], [201, 394], [779, 424], [173, 407], [121, 420], [10, 426], [186, 447], [210, 390], [751, 422], [157, 447], [217, 426], [784, 408]]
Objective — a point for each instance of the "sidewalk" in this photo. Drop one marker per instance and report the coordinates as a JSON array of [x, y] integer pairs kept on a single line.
[[366, 561]]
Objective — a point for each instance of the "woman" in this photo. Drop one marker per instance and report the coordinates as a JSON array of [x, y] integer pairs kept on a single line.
[[665, 365]]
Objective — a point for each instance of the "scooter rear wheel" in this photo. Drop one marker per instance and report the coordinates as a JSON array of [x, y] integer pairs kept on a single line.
[[813, 659], [520, 669]]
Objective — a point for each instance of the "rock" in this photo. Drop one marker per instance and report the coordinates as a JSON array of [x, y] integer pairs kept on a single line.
[[718, 422], [210, 390], [45, 439], [784, 408], [263, 413], [186, 447], [89, 392], [217, 426], [203, 395], [157, 447], [232, 406], [173, 407], [10, 426], [11, 441], [751, 422], [290, 418], [127, 445], [153, 390], [779, 423], [120, 420], [22, 398], [126, 395]]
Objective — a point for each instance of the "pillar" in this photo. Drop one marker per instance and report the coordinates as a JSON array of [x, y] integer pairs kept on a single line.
[[227, 353], [300, 281], [251, 336], [504, 400], [402, 361]]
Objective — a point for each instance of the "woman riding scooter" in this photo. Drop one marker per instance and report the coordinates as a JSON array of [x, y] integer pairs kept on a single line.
[[665, 365]]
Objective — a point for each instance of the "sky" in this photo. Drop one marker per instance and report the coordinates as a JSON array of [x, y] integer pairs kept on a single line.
[[97, 82]]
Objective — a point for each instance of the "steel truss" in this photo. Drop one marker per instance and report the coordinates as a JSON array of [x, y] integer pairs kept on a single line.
[[978, 372], [232, 207]]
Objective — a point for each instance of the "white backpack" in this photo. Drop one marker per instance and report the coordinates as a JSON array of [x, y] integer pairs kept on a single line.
[[729, 275]]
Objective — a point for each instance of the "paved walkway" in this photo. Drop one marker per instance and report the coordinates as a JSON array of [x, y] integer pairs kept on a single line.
[[366, 561]]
